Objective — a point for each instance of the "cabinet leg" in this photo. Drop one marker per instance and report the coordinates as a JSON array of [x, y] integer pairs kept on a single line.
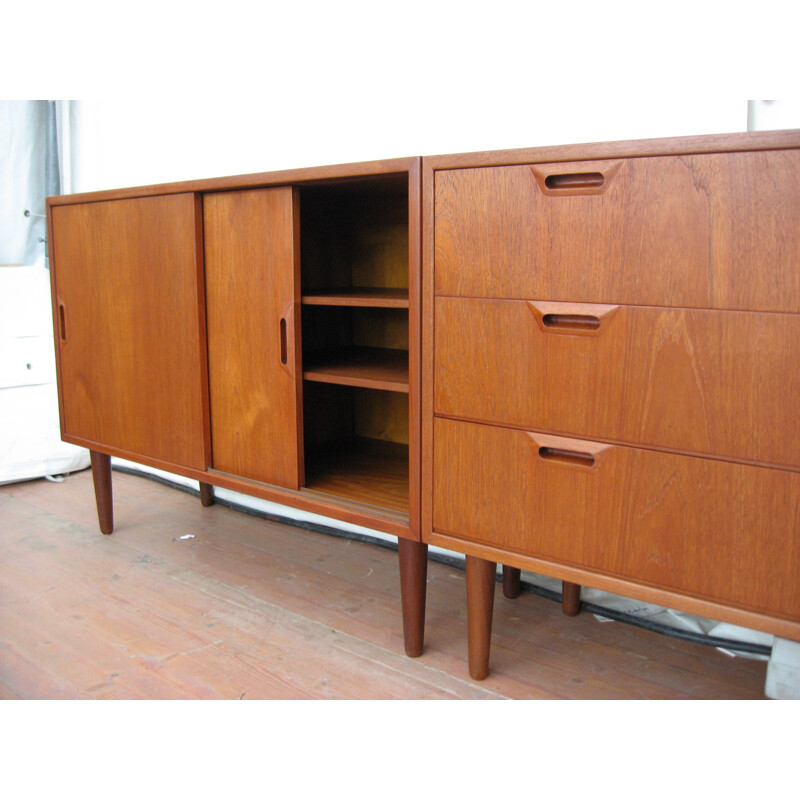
[[570, 598], [206, 494], [511, 582], [101, 475], [480, 606], [413, 557]]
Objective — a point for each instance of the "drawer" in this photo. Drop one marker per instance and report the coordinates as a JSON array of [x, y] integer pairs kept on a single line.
[[704, 231], [712, 529], [721, 383]]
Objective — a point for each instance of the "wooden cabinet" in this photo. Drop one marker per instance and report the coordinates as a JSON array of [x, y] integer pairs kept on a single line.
[[577, 360], [257, 333], [609, 372]]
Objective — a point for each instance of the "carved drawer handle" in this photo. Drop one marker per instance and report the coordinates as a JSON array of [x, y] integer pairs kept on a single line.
[[583, 178], [582, 319], [576, 453], [575, 180], [566, 456], [572, 322]]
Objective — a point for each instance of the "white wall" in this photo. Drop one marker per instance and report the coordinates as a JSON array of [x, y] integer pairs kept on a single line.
[[134, 141]]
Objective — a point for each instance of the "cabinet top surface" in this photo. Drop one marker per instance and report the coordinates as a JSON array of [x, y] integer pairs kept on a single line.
[[679, 145], [320, 174]]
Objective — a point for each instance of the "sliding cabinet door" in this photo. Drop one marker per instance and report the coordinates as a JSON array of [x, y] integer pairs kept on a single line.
[[252, 286], [127, 278]]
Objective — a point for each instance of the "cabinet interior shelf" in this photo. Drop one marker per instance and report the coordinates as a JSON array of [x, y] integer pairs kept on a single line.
[[366, 297], [367, 470], [368, 367]]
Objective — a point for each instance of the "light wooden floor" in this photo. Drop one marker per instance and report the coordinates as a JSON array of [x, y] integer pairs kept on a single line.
[[252, 609]]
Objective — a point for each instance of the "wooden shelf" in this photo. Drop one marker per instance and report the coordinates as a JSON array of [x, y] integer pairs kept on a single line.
[[370, 471], [367, 367], [368, 297]]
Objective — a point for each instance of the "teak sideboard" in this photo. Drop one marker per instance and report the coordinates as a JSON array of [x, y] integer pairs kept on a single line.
[[577, 360]]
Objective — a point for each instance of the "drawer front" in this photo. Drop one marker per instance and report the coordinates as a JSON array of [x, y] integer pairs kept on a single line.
[[705, 231], [721, 531], [713, 382]]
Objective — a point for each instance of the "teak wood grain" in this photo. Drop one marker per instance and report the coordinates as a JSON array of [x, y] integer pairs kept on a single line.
[[128, 298], [368, 367], [252, 278], [369, 471], [710, 382], [363, 296], [702, 231], [721, 531]]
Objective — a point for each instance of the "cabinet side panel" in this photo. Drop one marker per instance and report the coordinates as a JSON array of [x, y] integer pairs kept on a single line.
[[127, 297], [253, 340]]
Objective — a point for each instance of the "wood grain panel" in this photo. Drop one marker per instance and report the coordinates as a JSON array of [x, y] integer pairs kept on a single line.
[[714, 382], [705, 231], [128, 295], [367, 470], [369, 367], [720, 531], [252, 277]]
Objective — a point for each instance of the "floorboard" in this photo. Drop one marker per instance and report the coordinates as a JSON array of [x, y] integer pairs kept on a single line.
[[254, 609]]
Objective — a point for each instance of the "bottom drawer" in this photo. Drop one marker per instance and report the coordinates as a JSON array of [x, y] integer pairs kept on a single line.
[[712, 529]]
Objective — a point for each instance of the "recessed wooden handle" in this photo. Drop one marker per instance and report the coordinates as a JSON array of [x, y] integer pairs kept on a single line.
[[62, 322], [284, 351], [566, 456], [582, 319], [575, 453], [576, 178], [579, 322]]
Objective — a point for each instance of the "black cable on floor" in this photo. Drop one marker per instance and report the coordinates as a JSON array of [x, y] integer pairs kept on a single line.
[[457, 563]]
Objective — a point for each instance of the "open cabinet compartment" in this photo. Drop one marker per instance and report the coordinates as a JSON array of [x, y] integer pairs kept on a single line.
[[356, 444], [355, 339]]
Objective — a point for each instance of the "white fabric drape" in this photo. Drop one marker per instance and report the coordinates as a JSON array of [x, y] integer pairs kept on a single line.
[[30, 438]]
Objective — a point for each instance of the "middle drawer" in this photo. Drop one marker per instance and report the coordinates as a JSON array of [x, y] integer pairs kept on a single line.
[[721, 383]]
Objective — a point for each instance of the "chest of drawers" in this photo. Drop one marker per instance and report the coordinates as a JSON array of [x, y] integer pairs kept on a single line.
[[610, 372]]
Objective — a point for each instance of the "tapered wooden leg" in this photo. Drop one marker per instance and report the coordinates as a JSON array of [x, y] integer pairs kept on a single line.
[[206, 494], [570, 598], [101, 475], [413, 557], [511, 582], [480, 606]]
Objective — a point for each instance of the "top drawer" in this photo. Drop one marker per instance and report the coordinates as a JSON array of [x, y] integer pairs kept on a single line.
[[705, 231]]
